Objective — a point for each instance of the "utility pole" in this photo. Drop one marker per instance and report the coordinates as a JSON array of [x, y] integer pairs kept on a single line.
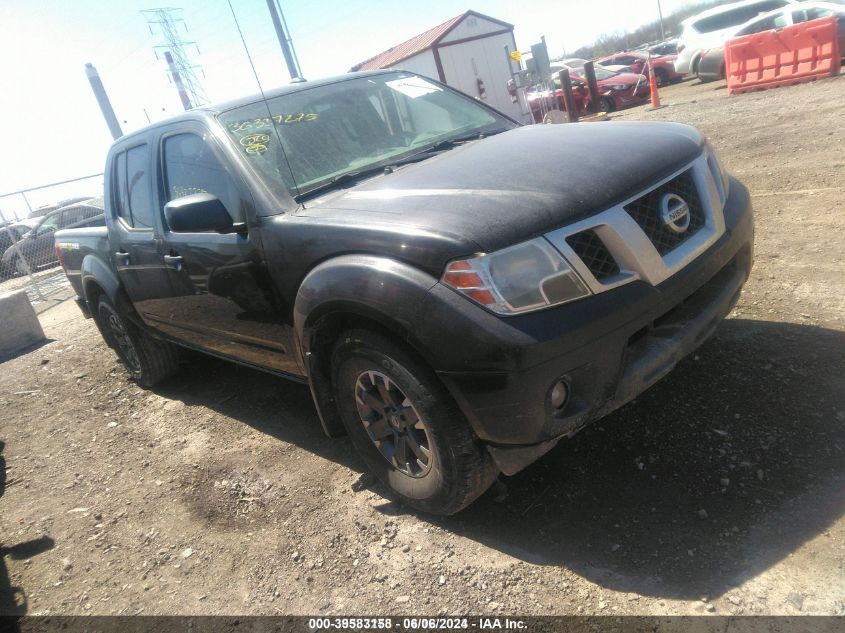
[[284, 40], [167, 22], [660, 13], [103, 101]]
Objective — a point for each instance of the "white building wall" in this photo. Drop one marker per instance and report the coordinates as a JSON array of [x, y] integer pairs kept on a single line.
[[472, 26], [464, 63], [421, 64]]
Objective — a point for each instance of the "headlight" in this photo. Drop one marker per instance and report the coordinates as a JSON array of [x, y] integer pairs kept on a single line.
[[619, 87], [720, 176], [528, 276]]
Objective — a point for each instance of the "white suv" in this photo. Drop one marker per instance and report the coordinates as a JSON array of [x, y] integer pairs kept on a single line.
[[709, 28]]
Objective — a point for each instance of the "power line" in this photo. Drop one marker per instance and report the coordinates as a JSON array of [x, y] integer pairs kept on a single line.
[[181, 70]]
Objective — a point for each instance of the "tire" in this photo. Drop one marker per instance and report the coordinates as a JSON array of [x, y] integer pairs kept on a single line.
[[661, 77], [147, 360], [694, 67], [449, 468], [606, 104]]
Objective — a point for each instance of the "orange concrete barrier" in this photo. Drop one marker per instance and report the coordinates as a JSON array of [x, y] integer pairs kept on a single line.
[[798, 53]]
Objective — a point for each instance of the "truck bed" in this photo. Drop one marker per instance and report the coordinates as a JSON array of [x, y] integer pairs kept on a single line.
[[77, 244]]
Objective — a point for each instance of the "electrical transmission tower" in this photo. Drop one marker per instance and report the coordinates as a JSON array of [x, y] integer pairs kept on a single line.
[[182, 72]]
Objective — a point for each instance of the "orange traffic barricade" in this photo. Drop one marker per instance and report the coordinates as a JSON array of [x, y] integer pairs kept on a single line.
[[795, 54]]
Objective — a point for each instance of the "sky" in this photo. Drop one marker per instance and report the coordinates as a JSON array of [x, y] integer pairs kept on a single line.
[[53, 127]]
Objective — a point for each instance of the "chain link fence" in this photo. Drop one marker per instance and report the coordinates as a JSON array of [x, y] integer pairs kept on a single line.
[[29, 220]]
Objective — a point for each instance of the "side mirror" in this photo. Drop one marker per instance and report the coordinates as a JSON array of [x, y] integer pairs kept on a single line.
[[198, 213]]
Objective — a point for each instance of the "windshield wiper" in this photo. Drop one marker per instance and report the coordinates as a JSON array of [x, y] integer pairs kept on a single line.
[[439, 148], [340, 179], [449, 143]]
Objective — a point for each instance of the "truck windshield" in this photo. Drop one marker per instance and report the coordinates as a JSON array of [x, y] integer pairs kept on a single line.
[[350, 127]]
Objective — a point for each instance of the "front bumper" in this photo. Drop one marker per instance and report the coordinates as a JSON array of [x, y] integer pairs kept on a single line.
[[626, 99], [608, 348]]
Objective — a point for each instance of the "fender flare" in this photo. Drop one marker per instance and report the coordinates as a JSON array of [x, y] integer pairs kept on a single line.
[[380, 289], [94, 271]]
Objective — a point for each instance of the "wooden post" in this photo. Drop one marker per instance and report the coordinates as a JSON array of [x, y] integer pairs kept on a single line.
[[592, 84], [568, 100]]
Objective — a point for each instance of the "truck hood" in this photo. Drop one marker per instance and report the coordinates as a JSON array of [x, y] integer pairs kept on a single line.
[[518, 184]]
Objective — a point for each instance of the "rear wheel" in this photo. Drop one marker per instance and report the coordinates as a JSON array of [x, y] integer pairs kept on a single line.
[[694, 66], [147, 360], [406, 427], [661, 76]]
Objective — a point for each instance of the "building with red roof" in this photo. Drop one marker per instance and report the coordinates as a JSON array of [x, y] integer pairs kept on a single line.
[[466, 52]]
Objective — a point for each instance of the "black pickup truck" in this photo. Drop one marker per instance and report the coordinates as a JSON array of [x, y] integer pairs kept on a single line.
[[458, 291]]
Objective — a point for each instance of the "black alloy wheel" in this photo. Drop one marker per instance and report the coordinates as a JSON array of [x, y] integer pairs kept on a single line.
[[393, 424]]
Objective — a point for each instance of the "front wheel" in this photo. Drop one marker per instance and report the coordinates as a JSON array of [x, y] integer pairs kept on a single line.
[[606, 104], [661, 77], [406, 427], [147, 360]]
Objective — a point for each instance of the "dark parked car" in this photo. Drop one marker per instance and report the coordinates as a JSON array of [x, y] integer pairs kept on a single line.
[[34, 248], [12, 232], [665, 48], [459, 292], [47, 208]]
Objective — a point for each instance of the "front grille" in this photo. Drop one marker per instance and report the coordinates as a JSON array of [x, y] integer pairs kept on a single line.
[[646, 212], [592, 251]]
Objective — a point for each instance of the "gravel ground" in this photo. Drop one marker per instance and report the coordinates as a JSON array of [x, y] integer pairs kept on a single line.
[[720, 490]]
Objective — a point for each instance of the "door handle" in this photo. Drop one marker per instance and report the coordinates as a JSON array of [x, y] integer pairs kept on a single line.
[[121, 258], [174, 261]]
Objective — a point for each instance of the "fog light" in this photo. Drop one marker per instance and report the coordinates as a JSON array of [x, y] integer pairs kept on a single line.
[[560, 393]]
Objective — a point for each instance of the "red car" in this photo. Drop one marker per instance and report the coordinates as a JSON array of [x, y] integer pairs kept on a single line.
[[664, 69], [616, 91]]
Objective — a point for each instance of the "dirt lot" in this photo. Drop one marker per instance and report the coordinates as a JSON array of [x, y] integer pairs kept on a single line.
[[720, 490]]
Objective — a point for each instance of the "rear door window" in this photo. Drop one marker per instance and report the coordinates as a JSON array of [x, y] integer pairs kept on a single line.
[[139, 186], [766, 24], [71, 218], [49, 225], [805, 15], [121, 206], [133, 187]]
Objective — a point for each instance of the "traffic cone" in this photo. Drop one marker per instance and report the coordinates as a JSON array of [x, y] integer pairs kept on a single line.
[[652, 86]]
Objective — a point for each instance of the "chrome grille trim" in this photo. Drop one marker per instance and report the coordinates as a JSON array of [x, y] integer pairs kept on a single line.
[[633, 251]]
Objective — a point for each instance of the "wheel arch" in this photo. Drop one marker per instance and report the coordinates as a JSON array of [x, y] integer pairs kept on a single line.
[[696, 59], [99, 280], [354, 291]]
